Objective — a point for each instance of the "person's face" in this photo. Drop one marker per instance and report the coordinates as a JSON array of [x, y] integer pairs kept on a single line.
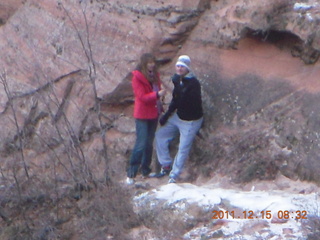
[[181, 70], [151, 65]]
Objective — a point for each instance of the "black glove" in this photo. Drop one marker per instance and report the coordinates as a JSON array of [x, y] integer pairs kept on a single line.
[[176, 77], [163, 119]]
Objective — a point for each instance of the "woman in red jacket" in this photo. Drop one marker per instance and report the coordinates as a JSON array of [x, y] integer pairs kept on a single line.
[[147, 91]]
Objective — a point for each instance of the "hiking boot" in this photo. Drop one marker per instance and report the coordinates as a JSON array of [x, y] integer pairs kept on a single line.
[[150, 175], [146, 173], [164, 171], [130, 181], [153, 175], [172, 180]]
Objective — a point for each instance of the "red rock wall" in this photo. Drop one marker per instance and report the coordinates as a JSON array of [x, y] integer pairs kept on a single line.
[[252, 57]]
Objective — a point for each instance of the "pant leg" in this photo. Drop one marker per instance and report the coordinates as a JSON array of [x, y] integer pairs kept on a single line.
[[164, 136], [147, 155], [139, 148], [188, 131]]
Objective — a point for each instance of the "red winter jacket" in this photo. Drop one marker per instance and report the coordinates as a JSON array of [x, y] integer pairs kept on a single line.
[[145, 106]]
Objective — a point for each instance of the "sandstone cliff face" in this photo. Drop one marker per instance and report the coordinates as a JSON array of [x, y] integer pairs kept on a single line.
[[8, 8], [66, 99]]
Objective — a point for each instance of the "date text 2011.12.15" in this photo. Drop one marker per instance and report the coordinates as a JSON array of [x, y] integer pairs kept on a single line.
[[267, 214]]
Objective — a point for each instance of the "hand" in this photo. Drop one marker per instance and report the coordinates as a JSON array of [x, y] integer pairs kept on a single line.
[[161, 93], [163, 119], [176, 78]]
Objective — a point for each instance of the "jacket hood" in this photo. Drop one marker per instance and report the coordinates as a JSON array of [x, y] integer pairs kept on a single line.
[[140, 77], [190, 75], [137, 73]]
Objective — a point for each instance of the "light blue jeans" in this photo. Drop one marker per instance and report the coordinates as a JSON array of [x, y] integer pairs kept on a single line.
[[166, 133]]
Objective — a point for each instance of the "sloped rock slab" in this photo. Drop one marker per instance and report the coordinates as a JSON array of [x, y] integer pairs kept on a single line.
[[191, 212]]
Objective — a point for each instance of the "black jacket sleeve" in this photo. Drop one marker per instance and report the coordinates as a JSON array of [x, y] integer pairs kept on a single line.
[[175, 94]]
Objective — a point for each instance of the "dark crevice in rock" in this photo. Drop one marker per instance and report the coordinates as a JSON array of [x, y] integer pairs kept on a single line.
[[8, 9], [121, 95], [64, 102], [286, 40]]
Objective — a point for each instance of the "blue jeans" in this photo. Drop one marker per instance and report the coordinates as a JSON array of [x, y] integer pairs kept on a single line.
[[165, 134], [142, 152]]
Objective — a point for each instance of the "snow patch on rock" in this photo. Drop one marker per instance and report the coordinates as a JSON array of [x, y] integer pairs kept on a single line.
[[242, 213]]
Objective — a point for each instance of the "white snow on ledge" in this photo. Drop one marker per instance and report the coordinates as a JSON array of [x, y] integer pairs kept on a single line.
[[259, 202], [302, 6], [255, 201]]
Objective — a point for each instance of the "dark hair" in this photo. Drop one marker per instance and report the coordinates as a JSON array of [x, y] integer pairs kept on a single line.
[[142, 67]]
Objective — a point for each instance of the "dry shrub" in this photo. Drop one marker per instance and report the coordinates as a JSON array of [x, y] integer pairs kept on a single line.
[[91, 212]]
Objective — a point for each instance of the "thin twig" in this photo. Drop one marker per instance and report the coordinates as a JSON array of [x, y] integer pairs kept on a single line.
[[21, 145]]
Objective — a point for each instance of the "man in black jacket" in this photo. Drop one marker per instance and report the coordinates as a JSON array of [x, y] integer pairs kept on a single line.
[[184, 116]]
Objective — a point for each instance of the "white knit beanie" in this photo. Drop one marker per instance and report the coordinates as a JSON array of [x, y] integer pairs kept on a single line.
[[185, 61]]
